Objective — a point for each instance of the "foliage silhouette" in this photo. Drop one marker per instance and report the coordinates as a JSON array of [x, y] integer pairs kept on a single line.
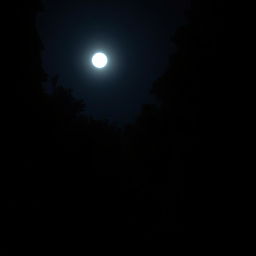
[[63, 165], [164, 142]]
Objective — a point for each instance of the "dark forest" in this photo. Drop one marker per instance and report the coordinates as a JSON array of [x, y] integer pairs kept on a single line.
[[71, 179]]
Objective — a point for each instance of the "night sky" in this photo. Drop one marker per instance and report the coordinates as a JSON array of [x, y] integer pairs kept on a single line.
[[136, 37]]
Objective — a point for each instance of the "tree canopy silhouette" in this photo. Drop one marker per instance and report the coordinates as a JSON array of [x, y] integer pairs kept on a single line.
[[163, 144], [75, 165]]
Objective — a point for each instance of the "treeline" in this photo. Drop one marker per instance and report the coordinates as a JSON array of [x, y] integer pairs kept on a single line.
[[164, 142], [66, 171]]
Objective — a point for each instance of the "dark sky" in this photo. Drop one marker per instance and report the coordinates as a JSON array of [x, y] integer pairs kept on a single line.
[[135, 35]]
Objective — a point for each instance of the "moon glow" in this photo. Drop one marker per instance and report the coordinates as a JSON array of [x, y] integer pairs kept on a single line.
[[99, 60]]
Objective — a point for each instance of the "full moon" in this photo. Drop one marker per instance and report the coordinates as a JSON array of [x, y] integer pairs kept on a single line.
[[99, 60]]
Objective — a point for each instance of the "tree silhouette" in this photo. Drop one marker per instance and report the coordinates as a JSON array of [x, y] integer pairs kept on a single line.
[[55, 154], [63, 165], [163, 144]]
